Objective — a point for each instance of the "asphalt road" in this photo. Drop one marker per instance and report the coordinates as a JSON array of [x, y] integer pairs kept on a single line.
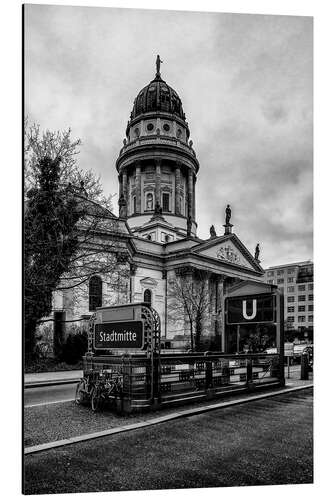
[[66, 392], [49, 394], [263, 442]]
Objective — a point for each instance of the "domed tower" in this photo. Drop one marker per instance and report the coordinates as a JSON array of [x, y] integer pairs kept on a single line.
[[157, 166]]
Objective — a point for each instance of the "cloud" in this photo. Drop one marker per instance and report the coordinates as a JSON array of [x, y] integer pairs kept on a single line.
[[246, 86]]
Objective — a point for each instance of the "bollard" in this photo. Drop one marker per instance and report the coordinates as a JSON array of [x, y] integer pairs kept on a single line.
[[304, 367], [249, 375]]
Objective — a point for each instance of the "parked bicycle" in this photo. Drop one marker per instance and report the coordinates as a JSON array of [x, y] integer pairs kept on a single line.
[[84, 389], [100, 389], [105, 391]]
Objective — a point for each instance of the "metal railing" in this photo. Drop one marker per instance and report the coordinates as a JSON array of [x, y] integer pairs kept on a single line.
[[174, 378]]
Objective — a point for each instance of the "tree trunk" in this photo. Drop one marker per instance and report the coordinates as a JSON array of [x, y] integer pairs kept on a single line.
[[191, 332], [30, 341], [198, 333]]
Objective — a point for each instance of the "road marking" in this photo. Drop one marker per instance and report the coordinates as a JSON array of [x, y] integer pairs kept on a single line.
[[158, 420], [49, 403]]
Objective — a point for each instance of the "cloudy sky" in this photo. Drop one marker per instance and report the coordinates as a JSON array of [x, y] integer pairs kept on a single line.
[[246, 86]]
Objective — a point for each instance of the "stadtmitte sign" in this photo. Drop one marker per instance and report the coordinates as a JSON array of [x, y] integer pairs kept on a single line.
[[119, 335]]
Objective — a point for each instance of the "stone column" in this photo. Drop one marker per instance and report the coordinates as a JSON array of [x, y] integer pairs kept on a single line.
[[138, 187], [158, 182], [125, 188], [190, 193], [220, 312], [193, 207], [120, 181], [177, 190]]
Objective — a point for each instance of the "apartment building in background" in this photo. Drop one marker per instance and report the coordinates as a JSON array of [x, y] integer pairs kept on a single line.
[[296, 280]]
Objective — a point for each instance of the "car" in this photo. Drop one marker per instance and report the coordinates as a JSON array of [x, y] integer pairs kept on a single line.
[[299, 349], [271, 350]]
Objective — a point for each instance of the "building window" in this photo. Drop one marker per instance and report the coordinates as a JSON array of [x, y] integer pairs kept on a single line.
[[291, 319], [291, 271], [150, 127], [291, 309], [310, 297], [280, 280], [95, 293], [301, 298], [301, 308], [301, 288], [301, 319], [149, 201], [270, 282], [166, 127], [291, 299], [134, 204], [290, 280], [270, 273], [310, 319], [310, 287], [165, 202], [290, 289], [310, 307], [280, 272], [147, 296]]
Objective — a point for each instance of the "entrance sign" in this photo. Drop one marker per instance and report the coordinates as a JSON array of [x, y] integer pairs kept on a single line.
[[288, 349], [260, 308], [119, 335]]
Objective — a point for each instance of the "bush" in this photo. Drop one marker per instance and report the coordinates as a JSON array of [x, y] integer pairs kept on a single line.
[[75, 347]]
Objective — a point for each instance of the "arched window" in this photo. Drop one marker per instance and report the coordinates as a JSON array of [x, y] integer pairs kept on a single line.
[[95, 293], [147, 296], [165, 202]]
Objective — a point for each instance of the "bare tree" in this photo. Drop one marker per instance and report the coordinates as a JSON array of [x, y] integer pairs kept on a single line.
[[70, 232], [189, 297]]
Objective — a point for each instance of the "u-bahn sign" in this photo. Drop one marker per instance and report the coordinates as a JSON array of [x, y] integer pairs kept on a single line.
[[119, 335], [259, 308]]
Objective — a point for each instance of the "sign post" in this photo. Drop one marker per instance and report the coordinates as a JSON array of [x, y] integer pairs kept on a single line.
[[289, 353]]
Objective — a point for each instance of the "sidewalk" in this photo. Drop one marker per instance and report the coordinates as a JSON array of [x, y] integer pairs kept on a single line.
[[52, 378]]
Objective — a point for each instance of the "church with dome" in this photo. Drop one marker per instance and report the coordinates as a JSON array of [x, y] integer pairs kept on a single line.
[[156, 230]]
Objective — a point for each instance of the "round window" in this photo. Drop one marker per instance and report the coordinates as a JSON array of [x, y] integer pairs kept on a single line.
[[150, 127], [166, 127], [179, 132]]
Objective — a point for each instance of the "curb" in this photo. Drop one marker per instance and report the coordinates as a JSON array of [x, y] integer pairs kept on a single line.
[[47, 383], [158, 420]]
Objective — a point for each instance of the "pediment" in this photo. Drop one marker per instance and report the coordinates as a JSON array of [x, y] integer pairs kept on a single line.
[[250, 288], [149, 282], [229, 250]]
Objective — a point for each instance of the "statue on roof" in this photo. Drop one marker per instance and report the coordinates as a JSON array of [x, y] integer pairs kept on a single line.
[[158, 208], [212, 232], [257, 252], [158, 65], [227, 215]]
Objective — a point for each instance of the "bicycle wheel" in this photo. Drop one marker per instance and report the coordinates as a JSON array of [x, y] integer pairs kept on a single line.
[[80, 394], [96, 399]]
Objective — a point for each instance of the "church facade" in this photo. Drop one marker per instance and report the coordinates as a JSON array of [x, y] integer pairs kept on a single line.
[[156, 231]]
